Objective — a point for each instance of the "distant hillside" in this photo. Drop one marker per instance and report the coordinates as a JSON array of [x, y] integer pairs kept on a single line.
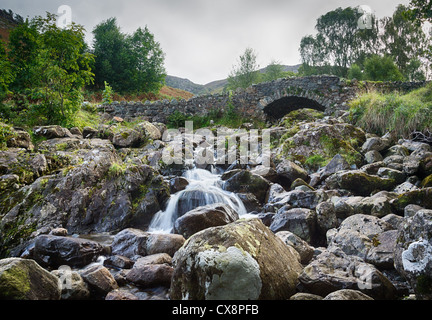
[[8, 21], [212, 87]]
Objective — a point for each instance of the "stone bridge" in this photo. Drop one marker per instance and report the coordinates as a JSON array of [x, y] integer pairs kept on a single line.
[[267, 101]]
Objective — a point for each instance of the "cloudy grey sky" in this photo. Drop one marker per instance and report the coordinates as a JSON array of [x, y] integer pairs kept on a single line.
[[202, 39]]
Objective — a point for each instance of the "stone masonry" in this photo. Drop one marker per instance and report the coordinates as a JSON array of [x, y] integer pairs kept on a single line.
[[266, 101]]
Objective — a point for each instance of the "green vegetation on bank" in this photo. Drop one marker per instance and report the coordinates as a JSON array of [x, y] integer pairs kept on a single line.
[[401, 114]]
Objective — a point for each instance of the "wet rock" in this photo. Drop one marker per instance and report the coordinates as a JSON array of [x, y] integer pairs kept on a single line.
[[242, 260], [204, 217], [99, 280], [120, 295], [248, 182], [150, 275], [178, 184], [24, 279], [129, 243], [55, 251], [164, 243], [73, 287], [158, 258], [118, 261], [133, 242]]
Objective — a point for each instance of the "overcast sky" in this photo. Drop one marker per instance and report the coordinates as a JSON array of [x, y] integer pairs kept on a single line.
[[202, 39]]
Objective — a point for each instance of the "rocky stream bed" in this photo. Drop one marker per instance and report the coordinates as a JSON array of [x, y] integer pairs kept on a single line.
[[96, 214]]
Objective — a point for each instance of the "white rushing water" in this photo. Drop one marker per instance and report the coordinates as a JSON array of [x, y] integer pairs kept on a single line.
[[204, 188]]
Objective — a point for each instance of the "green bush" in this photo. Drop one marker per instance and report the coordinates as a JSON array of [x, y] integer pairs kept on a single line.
[[399, 113]]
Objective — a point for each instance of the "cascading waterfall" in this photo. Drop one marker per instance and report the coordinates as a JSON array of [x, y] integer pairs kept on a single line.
[[204, 188]]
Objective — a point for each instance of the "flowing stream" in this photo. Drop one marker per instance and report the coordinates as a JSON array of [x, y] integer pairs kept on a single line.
[[204, 188]]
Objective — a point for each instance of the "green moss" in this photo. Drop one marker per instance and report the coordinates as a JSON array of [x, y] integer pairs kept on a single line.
[[316, 161], [14, 284], [116, 169], [427, 182], [61, 146]]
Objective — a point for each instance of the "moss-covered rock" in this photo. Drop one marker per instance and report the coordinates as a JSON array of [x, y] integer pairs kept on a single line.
[[427, 182], [359, 182], [242, 260], [318, 142], [247, 182], [421, 197], [22, 279]]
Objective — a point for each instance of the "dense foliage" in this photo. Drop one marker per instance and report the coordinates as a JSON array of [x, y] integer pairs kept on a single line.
[[130, 63], [46, 68], [347, 47]]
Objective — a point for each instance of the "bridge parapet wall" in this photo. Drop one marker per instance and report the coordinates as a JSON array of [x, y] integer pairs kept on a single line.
[[330, 92]]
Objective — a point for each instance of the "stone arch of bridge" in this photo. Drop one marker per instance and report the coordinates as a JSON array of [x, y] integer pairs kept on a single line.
[[277, 109]]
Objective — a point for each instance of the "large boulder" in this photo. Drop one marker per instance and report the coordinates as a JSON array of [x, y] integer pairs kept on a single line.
[[288, 172], [240, 261], [420, 197], [359, 182], [127, 138], [334, 270], [99, 280], [54, 251], [247, 182], [413, 254], [134, 242], [302, 222], [318, 142], [213, 215], [357, 234], [24, 279]]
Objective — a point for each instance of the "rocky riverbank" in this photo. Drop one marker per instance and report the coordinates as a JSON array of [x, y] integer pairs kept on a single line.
[[341, 214]]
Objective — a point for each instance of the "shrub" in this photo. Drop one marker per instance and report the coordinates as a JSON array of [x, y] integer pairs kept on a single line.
[[399, 113]]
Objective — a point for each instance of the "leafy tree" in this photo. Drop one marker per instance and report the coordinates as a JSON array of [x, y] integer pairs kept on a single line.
[[130, 63], [274, 71], [382, 68], [62, 69], [403, 40], [147, 61], [110, 55], [355, 72], [50, 69], [420, 10], [6, 75], [339, 42], [23, 48], [245, 73]]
